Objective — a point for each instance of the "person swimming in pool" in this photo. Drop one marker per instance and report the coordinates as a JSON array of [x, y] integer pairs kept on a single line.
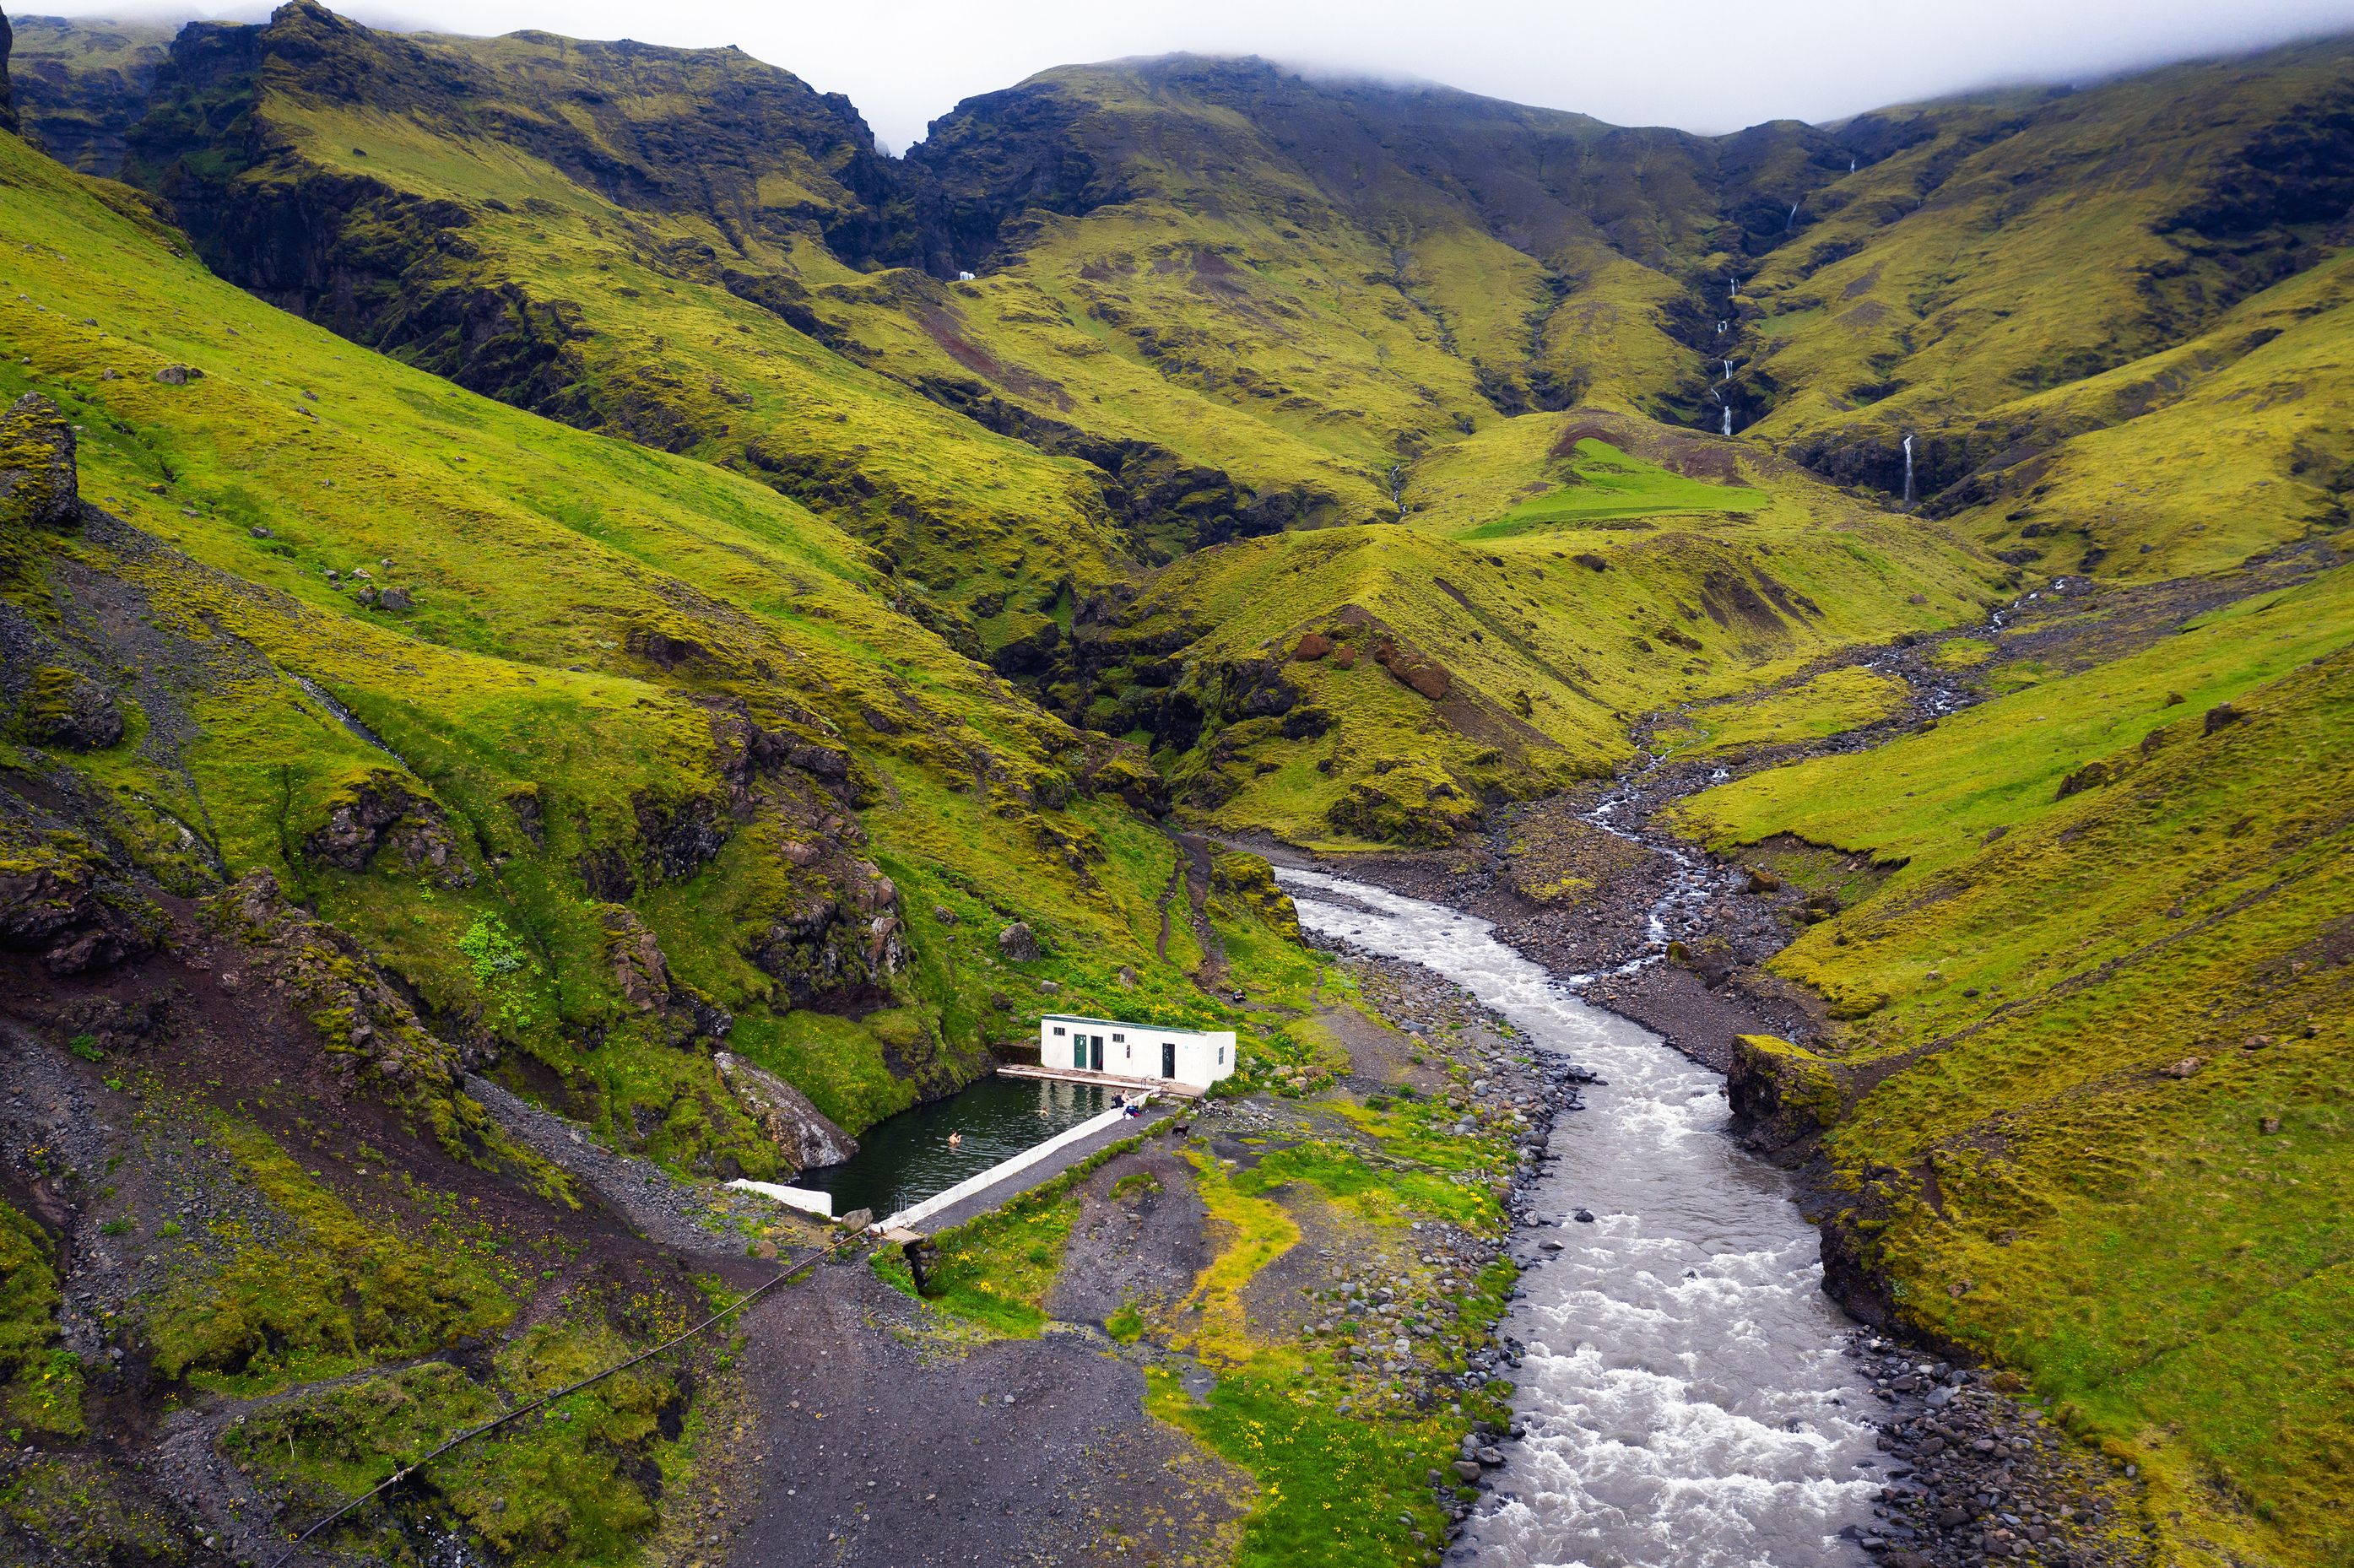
[[956, 1141]]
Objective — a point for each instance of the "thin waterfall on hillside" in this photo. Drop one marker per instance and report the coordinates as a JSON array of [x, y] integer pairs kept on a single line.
[[1728, 419], [1850, 165], [1908, 472], [1728, 370], [1791, 221], [1732, 288]]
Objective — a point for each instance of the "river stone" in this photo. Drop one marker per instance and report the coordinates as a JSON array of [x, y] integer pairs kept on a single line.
[[1467, 1469]]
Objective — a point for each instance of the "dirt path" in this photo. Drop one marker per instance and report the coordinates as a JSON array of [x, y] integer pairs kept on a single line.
[[883, 1441]]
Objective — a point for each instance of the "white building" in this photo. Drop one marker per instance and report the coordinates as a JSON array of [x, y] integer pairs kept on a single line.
[[1138, 1051]]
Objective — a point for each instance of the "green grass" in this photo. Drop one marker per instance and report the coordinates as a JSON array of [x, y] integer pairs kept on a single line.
[[1546, 658], [1602, 483], [565, 1486], [996, 1271], [325, 1291], [1331, 1489], [41, 1381], [1827, 704]]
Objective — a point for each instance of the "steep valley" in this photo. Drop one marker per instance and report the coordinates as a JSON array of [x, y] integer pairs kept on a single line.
[[571, 632]]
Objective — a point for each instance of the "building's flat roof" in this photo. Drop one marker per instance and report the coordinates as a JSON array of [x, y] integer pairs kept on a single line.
[[1124, 1024]]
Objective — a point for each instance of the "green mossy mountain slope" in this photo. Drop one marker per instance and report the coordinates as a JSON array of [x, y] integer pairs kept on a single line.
[[2108, 317], [557, 685]]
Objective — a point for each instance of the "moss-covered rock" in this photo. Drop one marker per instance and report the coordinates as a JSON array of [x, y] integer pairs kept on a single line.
[[40, 1382], [62, 897], [65, 708], [375, 810], [1780, 1091], [38, 486], [1249, 880]]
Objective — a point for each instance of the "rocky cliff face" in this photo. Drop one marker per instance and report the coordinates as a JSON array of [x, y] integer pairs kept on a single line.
[[81, 83], [7, 96], [802, 1135]]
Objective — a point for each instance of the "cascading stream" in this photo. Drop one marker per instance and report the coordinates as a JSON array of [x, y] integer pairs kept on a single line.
[[1686, 1400]]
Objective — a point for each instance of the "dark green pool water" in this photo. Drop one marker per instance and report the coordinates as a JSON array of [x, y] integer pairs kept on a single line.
[[906, 1159]]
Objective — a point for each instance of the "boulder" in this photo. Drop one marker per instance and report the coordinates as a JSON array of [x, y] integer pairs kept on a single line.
[[639, 967], [179, 374], [58, 899], [1018, 943], [376, 810], [801, 1131], [67, 708], [38, 483], [1313, 646], [1414, 669]]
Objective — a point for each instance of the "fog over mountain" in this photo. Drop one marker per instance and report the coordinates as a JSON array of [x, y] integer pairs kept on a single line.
[[1713, 65]]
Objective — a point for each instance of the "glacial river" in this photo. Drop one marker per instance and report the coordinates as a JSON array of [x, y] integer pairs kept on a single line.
[[1685, 1398]]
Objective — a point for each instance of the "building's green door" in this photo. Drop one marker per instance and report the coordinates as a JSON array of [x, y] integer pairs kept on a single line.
[[1078, 1051]]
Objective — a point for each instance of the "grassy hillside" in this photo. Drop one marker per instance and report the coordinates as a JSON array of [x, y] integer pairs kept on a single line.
[[362, 731], [2091, 1037], [602, 234], [1388, 683], [2107, 316], [619, 688]]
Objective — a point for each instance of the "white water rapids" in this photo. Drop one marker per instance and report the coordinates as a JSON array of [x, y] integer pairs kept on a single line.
[[1686, 1402]]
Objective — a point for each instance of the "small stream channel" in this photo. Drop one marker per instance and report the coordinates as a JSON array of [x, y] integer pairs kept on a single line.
[[906, 1159], [1684, 1393]]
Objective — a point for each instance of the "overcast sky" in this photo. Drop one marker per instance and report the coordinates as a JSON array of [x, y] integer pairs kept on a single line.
[[1704, 65]]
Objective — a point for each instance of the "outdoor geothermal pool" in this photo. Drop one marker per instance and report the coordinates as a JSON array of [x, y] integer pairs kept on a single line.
[[906, 1159]]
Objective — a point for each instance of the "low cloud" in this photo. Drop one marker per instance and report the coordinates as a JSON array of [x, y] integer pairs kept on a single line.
[[1706, 65]]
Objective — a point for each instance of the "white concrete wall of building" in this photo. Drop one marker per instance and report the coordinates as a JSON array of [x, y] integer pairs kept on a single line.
[[1139, 1051]]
